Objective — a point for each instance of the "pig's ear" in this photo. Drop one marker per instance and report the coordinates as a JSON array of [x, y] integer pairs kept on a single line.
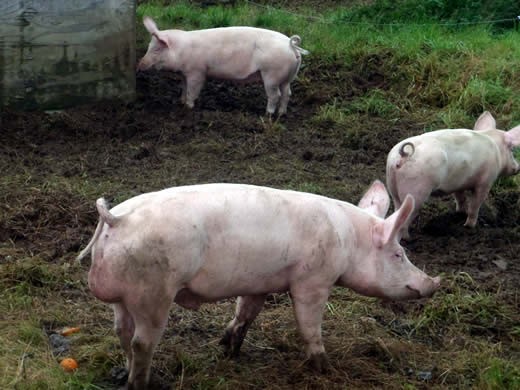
[[485, 122], [391, 228], [376, 200], [150, 25], [513, 137], [152, 29], [163, 42]]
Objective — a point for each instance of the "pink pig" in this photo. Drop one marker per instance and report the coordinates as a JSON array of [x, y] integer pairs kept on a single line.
[[459, 161], [204, 243], [232, 53]]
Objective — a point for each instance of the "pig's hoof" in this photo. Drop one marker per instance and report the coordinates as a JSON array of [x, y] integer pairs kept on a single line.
[[225, 341], [231, 344], [319, 362], [119, 375], [470, 224]]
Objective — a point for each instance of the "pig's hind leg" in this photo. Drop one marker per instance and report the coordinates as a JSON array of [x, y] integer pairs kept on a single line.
[[420, 197], [124, 327], [246, 311], [150, 316], [272, 90], [284, 101]]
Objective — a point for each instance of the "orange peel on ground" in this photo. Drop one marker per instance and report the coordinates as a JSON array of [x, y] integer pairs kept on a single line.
[[69, 364], [69, 330]]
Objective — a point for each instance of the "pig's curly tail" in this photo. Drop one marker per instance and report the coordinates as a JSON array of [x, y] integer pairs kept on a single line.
[[295, 42], [403, 152], [105, 216]]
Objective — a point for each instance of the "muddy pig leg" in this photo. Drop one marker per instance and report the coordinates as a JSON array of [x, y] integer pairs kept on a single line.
[[308, 303], [183, 89], [124, 327], [150, 318], [246, 311], [475, 200], [284, 101], [194, 84], [273, 94], [460, 201]]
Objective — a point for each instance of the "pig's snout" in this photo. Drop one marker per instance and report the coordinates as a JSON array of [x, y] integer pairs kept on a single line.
[[427, 288], [143, 65]]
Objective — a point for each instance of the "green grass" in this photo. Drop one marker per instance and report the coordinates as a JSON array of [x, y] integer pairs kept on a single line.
[[332, 112], [33, 299], [463, 308], [500, 374]]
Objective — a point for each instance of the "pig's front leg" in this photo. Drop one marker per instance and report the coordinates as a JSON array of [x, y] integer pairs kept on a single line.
[[474, 202], [183, 89], [194, 83], [460, 201], [309, 302], [246, 311]]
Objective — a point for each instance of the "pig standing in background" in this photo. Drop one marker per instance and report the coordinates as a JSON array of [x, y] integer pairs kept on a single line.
[[459, 161], [204, 243], [231, 53]]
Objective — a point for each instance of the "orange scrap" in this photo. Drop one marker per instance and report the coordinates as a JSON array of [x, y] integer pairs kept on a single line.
[[69, 330], [69, 364]]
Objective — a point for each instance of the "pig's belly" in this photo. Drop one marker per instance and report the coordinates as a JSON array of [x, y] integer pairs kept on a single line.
[[236, 78], [207, 288]]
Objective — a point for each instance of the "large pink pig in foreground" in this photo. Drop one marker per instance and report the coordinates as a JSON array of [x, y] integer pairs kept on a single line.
[[232, 53], [459, 161], [204, 243]]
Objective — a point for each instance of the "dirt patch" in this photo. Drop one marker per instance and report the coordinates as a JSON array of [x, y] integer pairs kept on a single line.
[[60, 163]]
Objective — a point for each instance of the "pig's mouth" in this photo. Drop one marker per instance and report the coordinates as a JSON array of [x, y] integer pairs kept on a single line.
[[415, 291]]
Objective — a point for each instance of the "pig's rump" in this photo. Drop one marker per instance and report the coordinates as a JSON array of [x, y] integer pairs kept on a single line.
[[442, 162]]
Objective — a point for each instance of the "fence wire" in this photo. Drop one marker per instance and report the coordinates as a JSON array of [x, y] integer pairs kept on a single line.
[[327, 21]]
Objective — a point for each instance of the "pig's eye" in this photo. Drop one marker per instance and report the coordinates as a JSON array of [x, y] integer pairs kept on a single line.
[[398, 255]]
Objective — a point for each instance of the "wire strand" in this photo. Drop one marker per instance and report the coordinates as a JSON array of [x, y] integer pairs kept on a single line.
[[326, 21]]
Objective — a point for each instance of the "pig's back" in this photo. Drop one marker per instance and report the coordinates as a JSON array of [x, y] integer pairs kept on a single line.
[[230, 34]]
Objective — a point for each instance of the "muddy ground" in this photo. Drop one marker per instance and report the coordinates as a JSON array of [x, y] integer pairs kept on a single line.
[[61, 162]]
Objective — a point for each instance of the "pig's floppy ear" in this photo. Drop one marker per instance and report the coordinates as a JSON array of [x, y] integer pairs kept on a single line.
[[150, 25], [161, 41], [152, 29], [391, 228], [513, 137], [376, 200], [485, 122]]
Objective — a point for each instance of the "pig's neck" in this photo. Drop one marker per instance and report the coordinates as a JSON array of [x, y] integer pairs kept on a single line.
[[498, 137], [361, 271]]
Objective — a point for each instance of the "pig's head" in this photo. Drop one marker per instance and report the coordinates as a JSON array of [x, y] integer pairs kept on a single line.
[[376, 200], [157, 54], [385, 271], [505, 140]]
